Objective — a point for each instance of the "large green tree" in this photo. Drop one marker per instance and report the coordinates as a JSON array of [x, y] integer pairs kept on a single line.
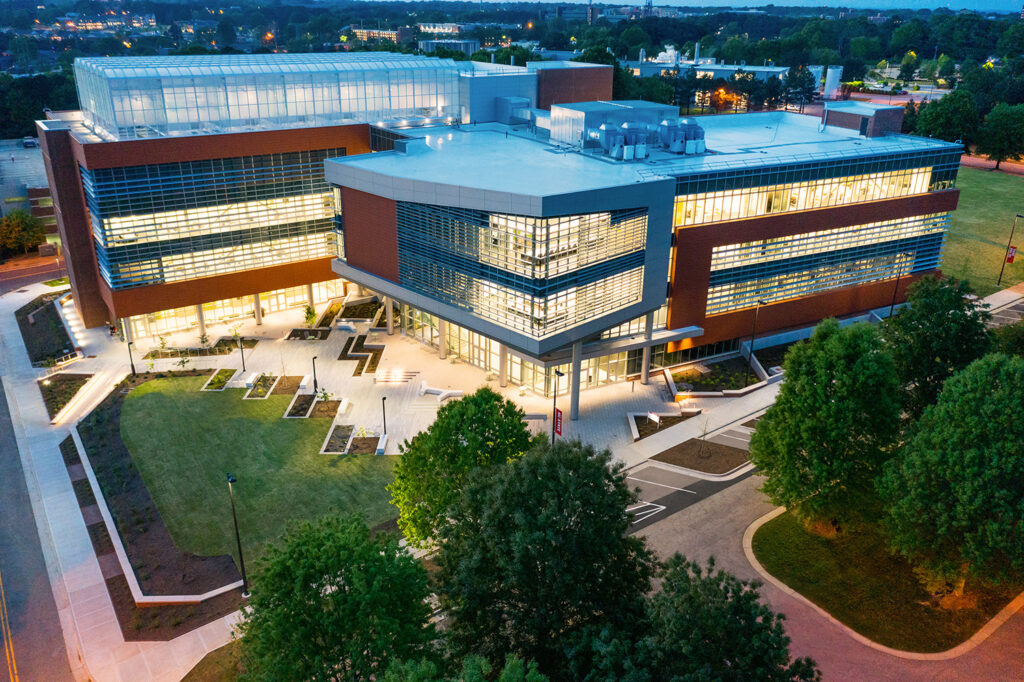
[[475, 431], [707, 624], [954, 117], [333, 603], [20, 230], [941, 331], [1009, 338], [822, 442], [537, 552], [1002, 134], [474, 669], [955, 497]]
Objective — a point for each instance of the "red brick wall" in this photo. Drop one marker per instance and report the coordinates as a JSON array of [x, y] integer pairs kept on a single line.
[[692, 269], [579, 84], [371, 235]]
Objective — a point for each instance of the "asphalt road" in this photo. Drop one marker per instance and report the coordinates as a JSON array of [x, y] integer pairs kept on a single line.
[[32, 639], [15, 279]]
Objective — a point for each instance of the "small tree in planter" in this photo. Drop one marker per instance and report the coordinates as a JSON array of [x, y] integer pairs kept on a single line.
[[163, 342], [310, 313], [183, 363], [323, 395], [204, 340]]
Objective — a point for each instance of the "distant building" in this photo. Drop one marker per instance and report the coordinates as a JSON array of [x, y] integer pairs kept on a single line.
[[398, 36], [465, 46], [441, 29]]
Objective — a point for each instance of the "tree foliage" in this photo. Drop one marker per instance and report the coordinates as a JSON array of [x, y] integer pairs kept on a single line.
[[332, 603], [954, 117], [537, 552], [822, 442], [1002, 134], [1009, 338], [20, 230], [941, 331], [476, 431], [474, 669], [706, 624], [955, 497]]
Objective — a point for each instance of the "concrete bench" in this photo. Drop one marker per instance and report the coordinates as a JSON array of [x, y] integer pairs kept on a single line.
[[346, 327], [445, 395], [382, 443], [304, 383], [251, 379]]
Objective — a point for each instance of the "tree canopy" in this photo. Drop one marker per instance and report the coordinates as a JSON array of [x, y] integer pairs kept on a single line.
[[955, 497], [331, 603], [822, 442], [537, 552], [954, 117], [474, 669], [1002, 134], [475, 431], [20, 230], [939, 332]]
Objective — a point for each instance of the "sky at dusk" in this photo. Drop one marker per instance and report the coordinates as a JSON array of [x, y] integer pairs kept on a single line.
[[1013, 6]]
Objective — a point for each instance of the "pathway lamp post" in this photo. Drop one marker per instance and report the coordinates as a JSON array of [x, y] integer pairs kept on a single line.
[[241, 352], [1009, 245], [554, 404], [384, 412], [238, 538], [315, 385], [131, 360]]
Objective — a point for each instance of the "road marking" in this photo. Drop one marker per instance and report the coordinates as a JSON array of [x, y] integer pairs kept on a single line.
[[634, 478], [652, 509], [5, 626]]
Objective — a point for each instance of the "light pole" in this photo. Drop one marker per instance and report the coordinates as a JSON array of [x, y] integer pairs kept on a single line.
[[753, 334], [238, 538], [241, 352], [131, 360], [315, 385], [1008, 243], [895, 287], [554, 404], [384, 412]]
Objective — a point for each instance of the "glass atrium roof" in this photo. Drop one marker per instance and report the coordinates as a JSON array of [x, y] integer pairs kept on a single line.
[[134, 97]]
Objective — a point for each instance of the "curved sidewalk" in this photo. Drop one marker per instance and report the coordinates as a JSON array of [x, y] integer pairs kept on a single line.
[[716, 526]]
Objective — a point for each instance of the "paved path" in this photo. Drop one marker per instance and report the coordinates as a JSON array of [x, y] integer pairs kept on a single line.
[[715, 526], [35, 637]]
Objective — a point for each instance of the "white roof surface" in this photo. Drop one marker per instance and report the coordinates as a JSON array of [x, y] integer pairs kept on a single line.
[[496, 158]]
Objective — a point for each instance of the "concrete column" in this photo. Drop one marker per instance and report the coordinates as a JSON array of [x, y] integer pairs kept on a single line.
[[502, 365], [202, 322], [442, 339], [257, 309], [126, 326], [645, 371], [574, 397], [390, 315], [402, 313], [309, 294]]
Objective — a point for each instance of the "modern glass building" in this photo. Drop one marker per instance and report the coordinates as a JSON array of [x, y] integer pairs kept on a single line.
[[190, 189], [615, 239]]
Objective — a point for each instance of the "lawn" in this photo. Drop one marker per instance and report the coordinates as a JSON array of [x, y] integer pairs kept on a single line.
[[856, 579], [220, 665], [184, 440], [980, 227]]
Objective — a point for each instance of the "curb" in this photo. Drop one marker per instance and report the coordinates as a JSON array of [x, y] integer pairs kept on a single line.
[[959, 650]]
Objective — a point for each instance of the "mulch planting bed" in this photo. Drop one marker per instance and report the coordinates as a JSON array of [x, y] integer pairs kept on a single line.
[[339, 439], [45, 337], [287, 386], [363, 445], [160, 567], [309, 334], [325, 408], [59, 389], [327, 318], [261, 389], [301, 405], [726, 375], [703, 455], [220, 379], [360, 311], [224, 346], [773, 355], [646, 427]]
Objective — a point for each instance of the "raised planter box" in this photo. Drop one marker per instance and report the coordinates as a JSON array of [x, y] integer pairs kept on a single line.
[[262, 387], [219, 380]]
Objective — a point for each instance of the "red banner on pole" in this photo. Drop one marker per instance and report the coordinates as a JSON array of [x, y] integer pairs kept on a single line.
[[558, 422], [1010, 253]]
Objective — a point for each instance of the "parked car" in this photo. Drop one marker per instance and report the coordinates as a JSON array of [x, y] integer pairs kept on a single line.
[[29, 142]]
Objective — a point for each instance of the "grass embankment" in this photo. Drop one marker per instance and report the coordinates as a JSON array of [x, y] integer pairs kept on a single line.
[[184, 440], [980, 228], [856, 579]]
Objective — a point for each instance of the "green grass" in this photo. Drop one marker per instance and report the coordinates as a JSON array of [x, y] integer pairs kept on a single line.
[[856, 579], [184, 440], [220, 665], [980, 227], [62, 282]]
